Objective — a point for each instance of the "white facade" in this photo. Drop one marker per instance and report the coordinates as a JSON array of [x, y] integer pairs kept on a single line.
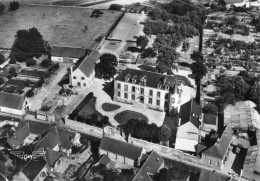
[[79, 79], [64, 59], [117, 158], [18, 112]]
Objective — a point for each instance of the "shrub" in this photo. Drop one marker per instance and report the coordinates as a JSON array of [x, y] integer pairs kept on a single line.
[[2, 58], [210, 108], [29, 93], [12, 71], [30, 62], [116, 7], [46, 63], [14, 5], [148, 53], [40, 82]]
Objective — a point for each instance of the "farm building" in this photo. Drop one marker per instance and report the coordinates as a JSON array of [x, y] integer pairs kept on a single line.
[[83, 75], [13, 104], [67, 54]]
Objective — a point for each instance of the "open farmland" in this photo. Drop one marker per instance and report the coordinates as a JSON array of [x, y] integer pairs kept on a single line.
[[60, 26]]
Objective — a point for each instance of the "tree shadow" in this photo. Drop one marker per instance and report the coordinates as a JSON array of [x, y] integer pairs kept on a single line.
[[171, 120], [108, 87], [192, 76], [134, 49], [147, 68]]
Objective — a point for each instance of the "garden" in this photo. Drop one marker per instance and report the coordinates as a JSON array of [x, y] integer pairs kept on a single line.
[[110, 107], [124, 116]]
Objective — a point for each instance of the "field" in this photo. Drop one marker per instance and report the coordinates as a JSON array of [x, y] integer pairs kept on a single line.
[[61, 26]]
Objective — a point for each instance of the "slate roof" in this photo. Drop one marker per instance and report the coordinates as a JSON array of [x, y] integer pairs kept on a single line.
[[210, 119], [65, 137], [151, 166], [219, 149], [253, 157], [12, 101], [190, 112], [38, 127], [232, 1], [120, 148], [153, 78], [205, 175], [68, 52], [19, 136], [48, 140], [88, 64], [51, 156], [33, 168]]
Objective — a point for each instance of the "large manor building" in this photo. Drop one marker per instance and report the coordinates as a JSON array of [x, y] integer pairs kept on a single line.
[[154, 90]]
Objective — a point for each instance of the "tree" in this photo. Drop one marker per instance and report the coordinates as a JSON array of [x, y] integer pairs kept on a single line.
[[2, 59], [46, 63], [30, 62], [40, 82], [232, 21], [14, 5], [167, 55], [142, 42], [1, 81], [28, 44], [29, 93], [164, 133], [12, 71], [199, 70], [149, 53], [210, 108], [116, 7], [106, 68], [197, 56]]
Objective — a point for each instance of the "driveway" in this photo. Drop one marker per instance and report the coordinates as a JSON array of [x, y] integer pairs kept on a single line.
[[50, 90]]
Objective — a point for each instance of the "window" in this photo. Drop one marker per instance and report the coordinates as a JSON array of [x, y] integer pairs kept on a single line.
[[84, 84], [126, 87], [158, 102], [150, 100], [158, 94], [78, 83], [126, 96], [151, 92], [118, 94], [133, 89], [142, 90], [217, 164], [74, 77], [118, 86], [133, 97], [82, 78], [209, 162]]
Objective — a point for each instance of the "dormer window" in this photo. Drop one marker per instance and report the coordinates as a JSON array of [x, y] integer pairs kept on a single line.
[[167, 86], [159, 85], [134, 79], [127, 77], [143, 80]]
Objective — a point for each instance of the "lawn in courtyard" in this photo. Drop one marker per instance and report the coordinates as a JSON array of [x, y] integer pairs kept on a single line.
[[125, 116], [110, 107], [60, 26]]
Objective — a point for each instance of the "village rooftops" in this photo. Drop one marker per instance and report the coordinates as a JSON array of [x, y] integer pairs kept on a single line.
[[252, 163], [12, 101], [88, 64], [120, 148], [228, 2], [205, 175], [150, 167], [220, 148], [149, 79], [68, 52]]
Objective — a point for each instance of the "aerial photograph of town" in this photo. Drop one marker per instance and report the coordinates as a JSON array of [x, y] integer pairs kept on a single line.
[[129, 90]]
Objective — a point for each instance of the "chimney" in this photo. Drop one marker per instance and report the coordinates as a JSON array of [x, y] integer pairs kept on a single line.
[[179, 122]]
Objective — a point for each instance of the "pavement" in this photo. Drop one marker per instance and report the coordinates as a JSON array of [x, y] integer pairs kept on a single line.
[[51, 89]]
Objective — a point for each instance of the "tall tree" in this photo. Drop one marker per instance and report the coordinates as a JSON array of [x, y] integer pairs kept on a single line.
[[106, 68], [29, 44], [164, 133], [142, 41]]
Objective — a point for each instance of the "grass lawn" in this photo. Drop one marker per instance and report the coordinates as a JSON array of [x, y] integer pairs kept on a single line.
[[89, 107], [61, 26], [110, 107], [125, 116]]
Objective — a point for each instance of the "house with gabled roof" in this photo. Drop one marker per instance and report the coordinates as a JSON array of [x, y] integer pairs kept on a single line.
[[216, 155], [151, 89], [151, 166], [13, 103], [84, 74], [120, 151], [34, 170], [187, 137], [67, 54]]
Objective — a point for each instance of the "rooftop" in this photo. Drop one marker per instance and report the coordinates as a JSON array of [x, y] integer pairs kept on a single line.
[[152, 79], [12, 101], [252, 161], [220, 148], [120, 148], [241, 115], [205, 175], [68, 52], [228, 2], [151, 166]]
